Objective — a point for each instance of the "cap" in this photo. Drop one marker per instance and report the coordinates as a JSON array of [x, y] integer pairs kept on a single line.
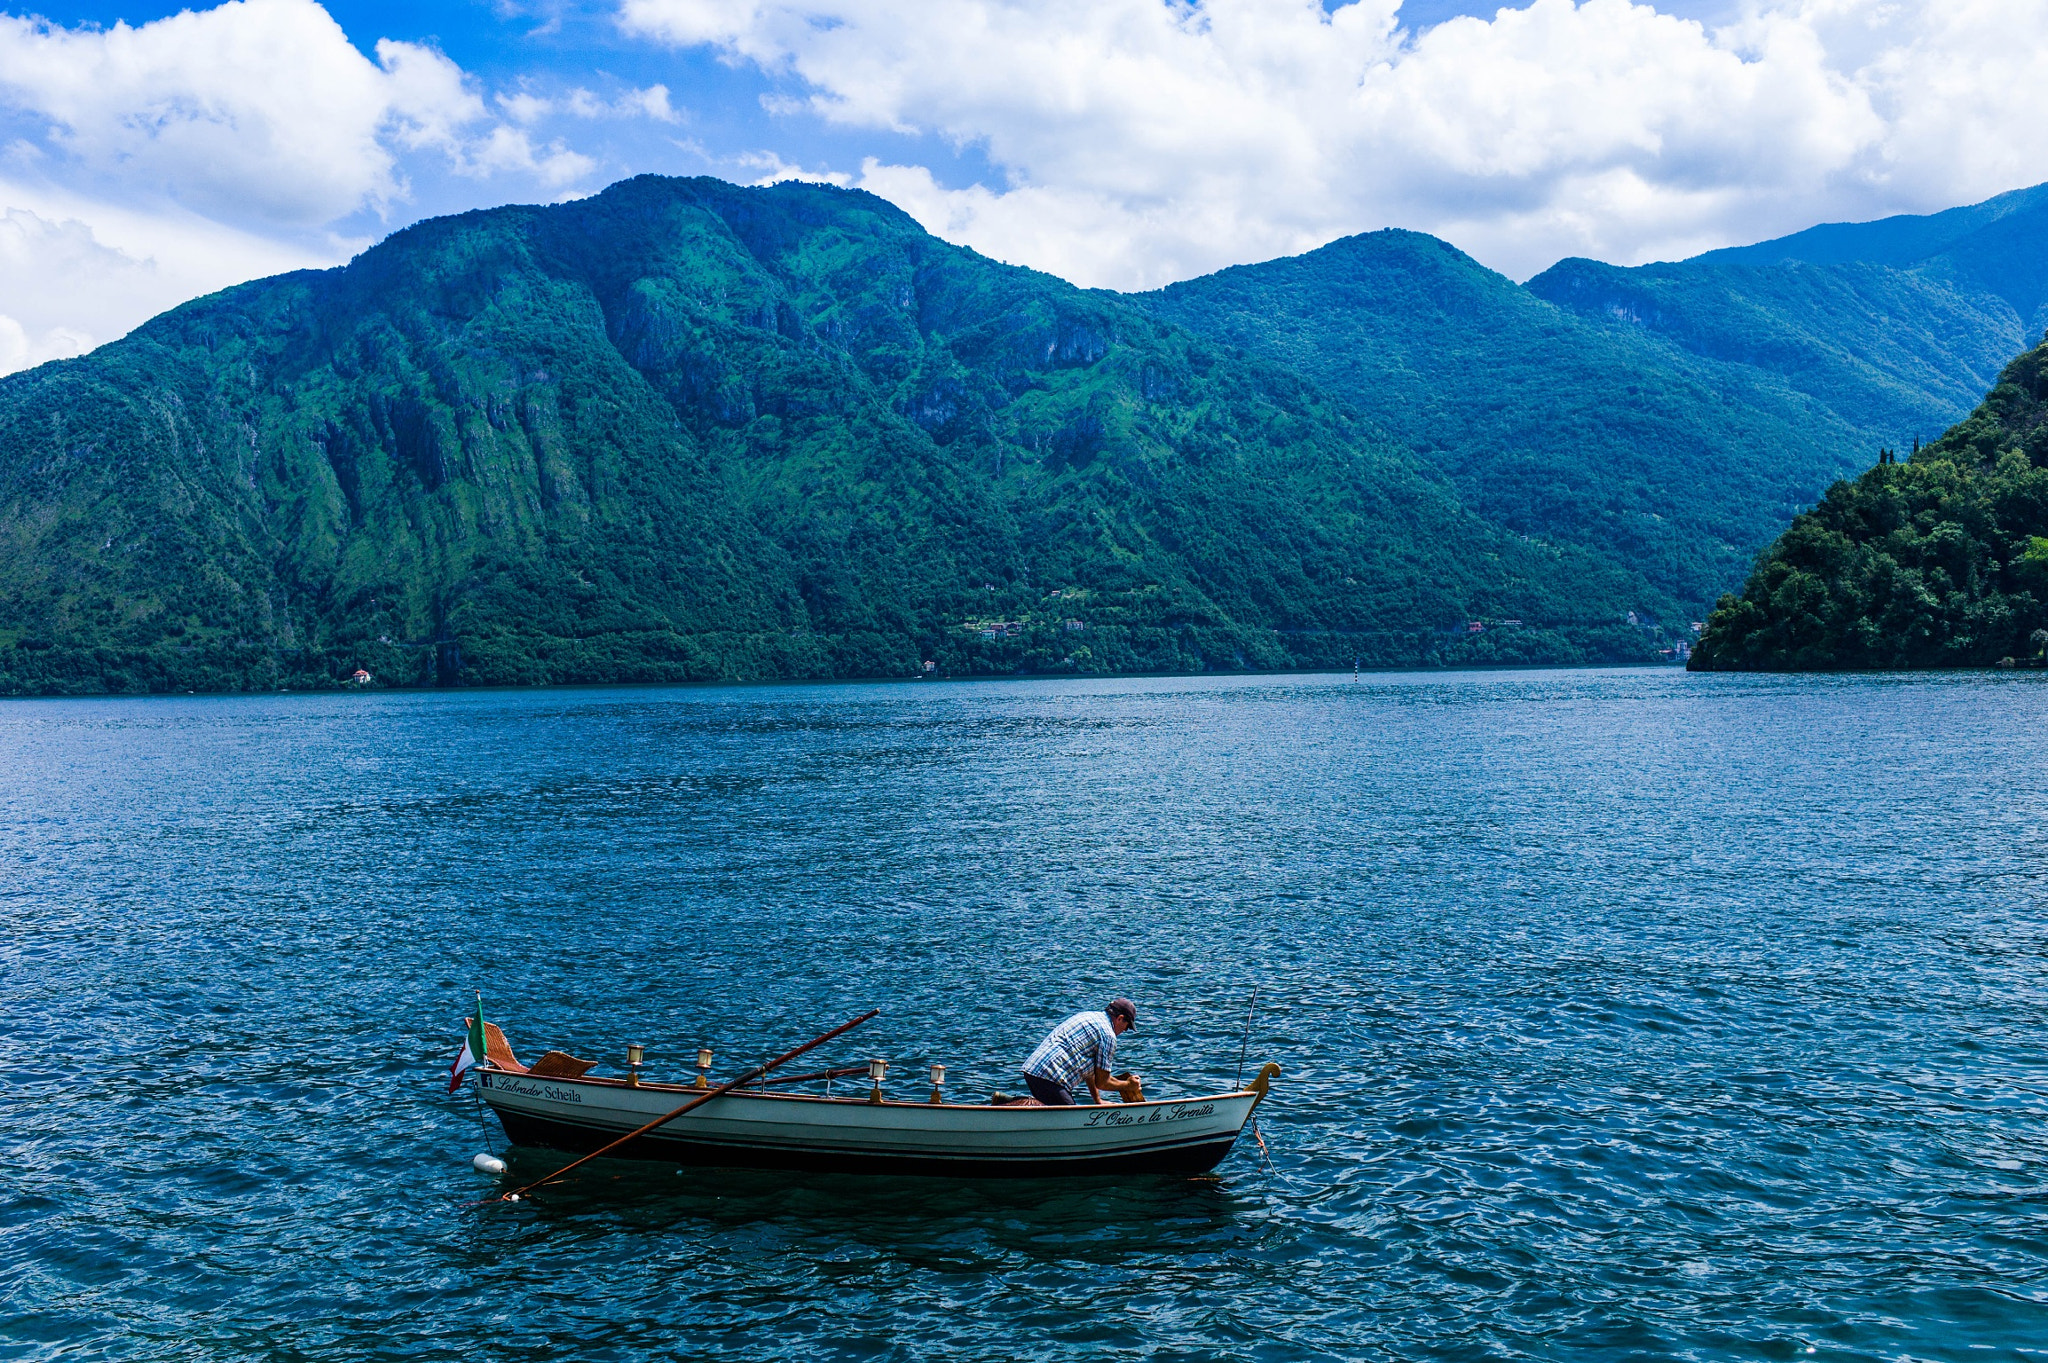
[[1127, 1008]]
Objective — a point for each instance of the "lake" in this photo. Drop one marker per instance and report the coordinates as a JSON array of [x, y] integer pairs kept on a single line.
[[1622, 1014]]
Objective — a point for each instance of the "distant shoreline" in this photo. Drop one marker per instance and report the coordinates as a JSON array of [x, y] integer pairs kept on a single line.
[[765, 682]]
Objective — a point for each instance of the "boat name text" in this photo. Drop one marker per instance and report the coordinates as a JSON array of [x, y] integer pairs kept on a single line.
[[528, 1089], [1176, 1112]]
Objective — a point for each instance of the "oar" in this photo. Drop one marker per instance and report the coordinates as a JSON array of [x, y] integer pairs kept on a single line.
[[697, 1102], [839, 1073]]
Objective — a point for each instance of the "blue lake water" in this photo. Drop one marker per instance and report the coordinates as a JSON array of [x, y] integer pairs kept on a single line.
[[1623, 1014]]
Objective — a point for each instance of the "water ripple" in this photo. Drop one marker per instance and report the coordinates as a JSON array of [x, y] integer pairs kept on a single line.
[[1623, 1015]]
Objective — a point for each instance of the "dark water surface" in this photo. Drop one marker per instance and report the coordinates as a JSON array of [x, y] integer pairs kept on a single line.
[[1623, 1015]]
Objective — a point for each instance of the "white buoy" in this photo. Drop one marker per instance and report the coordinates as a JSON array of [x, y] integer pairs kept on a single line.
[[488, 1164]]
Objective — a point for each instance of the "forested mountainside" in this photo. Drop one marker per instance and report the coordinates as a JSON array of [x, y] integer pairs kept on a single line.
[[1902, 320], [686, 430], [1674, 417], [1937, 561], [1879, 355], [1994, 248], [1555, 424]]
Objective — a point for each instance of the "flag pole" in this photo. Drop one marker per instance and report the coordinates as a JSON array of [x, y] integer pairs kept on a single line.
[[475, 1044], [695, 1102]]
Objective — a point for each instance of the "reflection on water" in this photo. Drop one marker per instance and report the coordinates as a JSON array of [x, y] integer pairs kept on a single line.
[[1621, 1014]]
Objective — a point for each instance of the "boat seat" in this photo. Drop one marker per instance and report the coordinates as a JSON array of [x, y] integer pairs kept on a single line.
[[498, 1051], [560, 1065]]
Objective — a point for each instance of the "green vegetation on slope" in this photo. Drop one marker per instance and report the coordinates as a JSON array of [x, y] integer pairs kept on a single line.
[[1940, 561], [684, 430], [1578, 429], [1671, 417], [1995, 247], [1880, 355]]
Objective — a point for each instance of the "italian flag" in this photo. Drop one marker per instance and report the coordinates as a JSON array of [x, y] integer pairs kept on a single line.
[[473, 1049]]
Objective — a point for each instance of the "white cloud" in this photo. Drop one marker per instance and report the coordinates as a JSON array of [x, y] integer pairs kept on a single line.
[[57, 277], [510, 149], [526, 107], [771, 169], [257, 109], [1146, 140], [169, 159], [20, 350], [653, 102], [75, 273]]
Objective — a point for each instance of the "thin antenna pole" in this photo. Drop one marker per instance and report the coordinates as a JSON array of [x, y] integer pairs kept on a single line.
[[1245, 1045]]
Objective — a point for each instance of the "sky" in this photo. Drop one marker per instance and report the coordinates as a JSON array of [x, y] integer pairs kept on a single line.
[[150, 153]]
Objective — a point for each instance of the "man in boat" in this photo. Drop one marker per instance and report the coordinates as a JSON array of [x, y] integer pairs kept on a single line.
[[1080, 1053]]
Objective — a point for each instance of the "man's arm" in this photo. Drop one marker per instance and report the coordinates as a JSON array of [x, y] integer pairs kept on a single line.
[[1100, 1079]]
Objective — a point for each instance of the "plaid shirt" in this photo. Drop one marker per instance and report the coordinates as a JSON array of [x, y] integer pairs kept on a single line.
[[1078, 1047]]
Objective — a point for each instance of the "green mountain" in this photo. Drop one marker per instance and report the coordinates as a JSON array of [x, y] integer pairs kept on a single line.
[[1940, 561], [1570, 428], [1879, 355], [1989, 248], [1672, 418], [1905, 320], [686, 430]]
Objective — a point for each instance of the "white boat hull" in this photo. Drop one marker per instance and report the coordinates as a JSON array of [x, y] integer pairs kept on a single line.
[[794, 1131]]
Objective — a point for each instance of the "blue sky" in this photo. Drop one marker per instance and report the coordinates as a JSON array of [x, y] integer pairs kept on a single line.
[[149, 153]]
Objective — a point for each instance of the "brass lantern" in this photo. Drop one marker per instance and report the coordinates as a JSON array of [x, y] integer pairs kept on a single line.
[[938, 1083], [878, 1070], [636, 1054], [703, 1067]]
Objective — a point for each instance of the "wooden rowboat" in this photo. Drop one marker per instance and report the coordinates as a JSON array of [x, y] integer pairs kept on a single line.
[[755, 1128]]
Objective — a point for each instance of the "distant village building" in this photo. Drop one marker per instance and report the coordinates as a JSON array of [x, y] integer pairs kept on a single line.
[[360, 678]]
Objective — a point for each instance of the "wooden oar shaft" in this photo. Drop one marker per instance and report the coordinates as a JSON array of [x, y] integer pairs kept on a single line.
[[839, 1073], [697, 1102]]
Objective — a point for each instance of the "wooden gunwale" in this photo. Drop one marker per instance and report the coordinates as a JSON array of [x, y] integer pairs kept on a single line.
[[863, 1101]]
